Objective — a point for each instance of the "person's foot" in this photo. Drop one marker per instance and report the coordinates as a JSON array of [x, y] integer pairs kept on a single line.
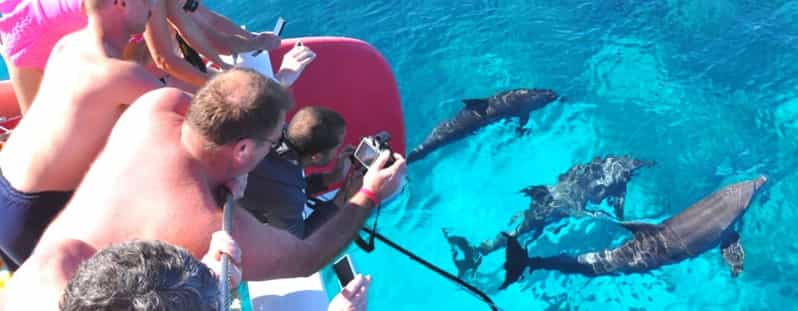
[[294, 63]]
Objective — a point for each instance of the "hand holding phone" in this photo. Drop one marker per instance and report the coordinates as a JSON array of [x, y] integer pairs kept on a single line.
[[278, 27], [278, 31], [344, 270], [353, 297]]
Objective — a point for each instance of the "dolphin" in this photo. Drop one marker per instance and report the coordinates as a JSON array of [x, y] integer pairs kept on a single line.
[[601, 179], [478, 113], [695, 230], [470, 255], [516, 262]]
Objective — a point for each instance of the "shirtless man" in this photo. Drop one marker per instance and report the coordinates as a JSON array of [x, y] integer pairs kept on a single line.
[[84, 91], [163, 171], [89, 279]]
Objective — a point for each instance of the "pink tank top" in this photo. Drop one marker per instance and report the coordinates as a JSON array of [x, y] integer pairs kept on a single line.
[[30, 29]]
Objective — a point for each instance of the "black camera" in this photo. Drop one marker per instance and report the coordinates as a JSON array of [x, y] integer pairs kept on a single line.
[[370, 147]]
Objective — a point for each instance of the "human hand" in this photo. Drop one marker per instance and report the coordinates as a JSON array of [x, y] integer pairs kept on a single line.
[[350, 187], [220, 66], [344, 163], [294, 62], [353, 297], [237, 186], [266, 41], [223, 243], [225, 66], [385, 181]]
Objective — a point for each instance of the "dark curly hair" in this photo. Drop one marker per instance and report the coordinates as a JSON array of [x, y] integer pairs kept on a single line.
[[142, 275]]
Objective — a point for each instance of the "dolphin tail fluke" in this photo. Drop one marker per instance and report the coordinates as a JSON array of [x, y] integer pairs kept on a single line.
[[516, 261], [471, 257], [505, 284]]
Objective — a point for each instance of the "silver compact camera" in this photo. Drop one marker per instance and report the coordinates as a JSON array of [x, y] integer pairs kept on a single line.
[[370, 147]]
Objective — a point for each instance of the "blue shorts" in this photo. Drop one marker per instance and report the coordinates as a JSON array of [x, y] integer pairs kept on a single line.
[[23, 218]]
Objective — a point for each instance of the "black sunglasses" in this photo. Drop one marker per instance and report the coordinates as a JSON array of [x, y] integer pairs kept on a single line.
[[191, 5]]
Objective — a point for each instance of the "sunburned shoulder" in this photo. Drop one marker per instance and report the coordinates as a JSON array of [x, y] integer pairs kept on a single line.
[[129, 71], [164, 100], [61, 258], [38, 284], [100, 74]]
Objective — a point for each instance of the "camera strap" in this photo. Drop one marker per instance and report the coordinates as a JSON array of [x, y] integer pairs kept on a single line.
[[367, 246]]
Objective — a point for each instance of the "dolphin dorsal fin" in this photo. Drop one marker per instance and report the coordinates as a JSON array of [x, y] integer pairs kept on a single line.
[[639, 227], [477, 104]]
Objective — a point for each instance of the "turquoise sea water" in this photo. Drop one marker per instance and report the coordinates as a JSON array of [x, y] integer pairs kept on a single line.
[[707, 89]]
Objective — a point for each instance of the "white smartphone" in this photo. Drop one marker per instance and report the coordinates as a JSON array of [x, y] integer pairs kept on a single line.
[[344, 270], [278, 28]]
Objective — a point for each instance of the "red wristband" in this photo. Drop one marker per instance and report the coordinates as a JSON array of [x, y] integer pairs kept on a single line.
[[370, 195]]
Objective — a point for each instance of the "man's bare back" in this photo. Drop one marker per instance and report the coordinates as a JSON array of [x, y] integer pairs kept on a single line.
[[156, 190], [83, 92], [152, 182], [143, 157]]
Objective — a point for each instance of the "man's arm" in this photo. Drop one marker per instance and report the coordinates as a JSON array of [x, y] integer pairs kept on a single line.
[[294, 62], [220, 23], [269, 253], [229, 38], [159, 41], [191, 32]]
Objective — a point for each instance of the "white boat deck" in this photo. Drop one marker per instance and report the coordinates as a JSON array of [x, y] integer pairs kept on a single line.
[[289, 294]]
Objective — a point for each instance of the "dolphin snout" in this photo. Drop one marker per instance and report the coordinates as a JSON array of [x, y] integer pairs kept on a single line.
[[552, 95], [546, 94], [637, 163], [759, 182]]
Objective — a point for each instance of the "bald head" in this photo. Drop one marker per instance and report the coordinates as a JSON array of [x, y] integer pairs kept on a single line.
[[130, 16], [238, 104], [315, 129]]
